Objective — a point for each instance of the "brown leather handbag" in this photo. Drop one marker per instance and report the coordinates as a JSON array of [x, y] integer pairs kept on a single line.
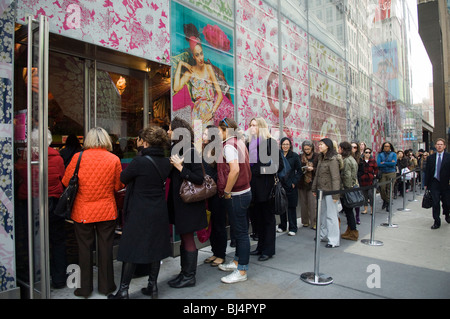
[[190, 192]]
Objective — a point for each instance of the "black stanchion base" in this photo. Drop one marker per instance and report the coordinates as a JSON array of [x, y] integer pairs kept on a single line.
[[320, 280]]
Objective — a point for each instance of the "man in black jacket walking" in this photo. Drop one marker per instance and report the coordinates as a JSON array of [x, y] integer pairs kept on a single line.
[[437, 181]]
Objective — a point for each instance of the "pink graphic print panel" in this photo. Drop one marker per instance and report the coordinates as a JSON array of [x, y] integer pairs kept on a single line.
[[138, 27]]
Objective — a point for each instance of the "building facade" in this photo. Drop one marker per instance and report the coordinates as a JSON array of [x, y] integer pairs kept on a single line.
[[434, 17], [343, 65]]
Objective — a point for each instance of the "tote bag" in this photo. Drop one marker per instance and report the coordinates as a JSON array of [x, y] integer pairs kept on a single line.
[[353, 199], [279, 198]]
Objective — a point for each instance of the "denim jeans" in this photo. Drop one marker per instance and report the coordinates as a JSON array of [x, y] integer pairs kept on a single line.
[[237, 214]]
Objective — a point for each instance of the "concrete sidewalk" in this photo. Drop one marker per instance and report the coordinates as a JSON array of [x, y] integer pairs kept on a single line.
[[413, 263]]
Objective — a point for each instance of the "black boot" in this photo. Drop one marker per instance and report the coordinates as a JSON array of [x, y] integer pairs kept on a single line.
[[182, 264], [152, 288], [188, 270], [127, 274]]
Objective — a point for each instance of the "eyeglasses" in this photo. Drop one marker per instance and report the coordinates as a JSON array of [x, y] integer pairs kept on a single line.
[[224, 120], [367, 152]]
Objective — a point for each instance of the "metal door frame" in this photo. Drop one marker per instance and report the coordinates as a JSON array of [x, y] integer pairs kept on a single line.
[[43, 53]]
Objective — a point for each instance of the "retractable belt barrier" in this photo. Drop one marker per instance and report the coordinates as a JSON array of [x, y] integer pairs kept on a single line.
[[317, 278]]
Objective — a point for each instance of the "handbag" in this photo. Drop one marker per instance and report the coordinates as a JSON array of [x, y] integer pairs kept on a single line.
[[408, 174], [204, 234], [67, 198], [190, 192], [353, 199], [279, 198], [427, 201]]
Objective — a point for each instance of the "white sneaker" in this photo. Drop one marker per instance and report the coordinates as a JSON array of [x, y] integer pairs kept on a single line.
[[231, 266], [235, 276], [291, 233], [279, 230]]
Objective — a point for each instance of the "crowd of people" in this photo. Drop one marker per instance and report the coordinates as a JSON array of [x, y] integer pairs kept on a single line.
[[244, 171]]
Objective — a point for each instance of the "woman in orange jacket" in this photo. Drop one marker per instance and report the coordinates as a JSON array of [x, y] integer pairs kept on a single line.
[[94, 211]]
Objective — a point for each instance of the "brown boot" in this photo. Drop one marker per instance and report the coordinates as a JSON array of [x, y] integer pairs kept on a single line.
[[352, 235], [346, 232]]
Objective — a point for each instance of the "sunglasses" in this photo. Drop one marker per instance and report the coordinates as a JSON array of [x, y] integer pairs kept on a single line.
[[225, 121], [367, 152]]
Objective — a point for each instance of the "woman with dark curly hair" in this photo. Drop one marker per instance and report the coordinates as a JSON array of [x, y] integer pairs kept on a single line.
[[145, 237]]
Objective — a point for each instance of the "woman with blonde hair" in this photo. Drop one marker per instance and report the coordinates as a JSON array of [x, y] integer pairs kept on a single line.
[[264, 155], [94, 211]]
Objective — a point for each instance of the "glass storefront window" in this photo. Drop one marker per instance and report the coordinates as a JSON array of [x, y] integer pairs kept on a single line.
[[120, 108]]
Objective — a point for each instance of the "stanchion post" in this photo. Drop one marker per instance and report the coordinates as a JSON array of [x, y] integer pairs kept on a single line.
[[414, 188], [420, 184], [372, 241], [389, 223], [316, 278], [404, 209]]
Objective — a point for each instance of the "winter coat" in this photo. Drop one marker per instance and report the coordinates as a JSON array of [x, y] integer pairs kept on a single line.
[[294, 174], [99, 179], [402, 163], [146, 233], [262, 183], [292, 178], [327, 175], [55, 174], [349, 174], [386, 162], [367, 171], [187, 217], [307, 178]]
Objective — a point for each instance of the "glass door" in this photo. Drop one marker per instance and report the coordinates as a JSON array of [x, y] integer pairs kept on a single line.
[[31, 162]]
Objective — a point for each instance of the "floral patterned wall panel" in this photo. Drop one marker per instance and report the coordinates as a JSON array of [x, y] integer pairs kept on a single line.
[[7, 254], [137, 27], [325, 60], [353, 114], [328, 108], [222, 10], [377, 129], [257, 63], [328, 93], [327, 120], [295, 87]]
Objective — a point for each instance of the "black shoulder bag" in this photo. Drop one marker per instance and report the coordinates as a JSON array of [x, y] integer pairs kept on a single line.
[[67, 198]]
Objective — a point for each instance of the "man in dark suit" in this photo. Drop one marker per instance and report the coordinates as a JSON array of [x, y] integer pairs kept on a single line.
[[437, 177]]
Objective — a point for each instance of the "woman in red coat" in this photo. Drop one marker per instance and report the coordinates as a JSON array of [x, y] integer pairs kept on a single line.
[[367, 172], [94, 210]]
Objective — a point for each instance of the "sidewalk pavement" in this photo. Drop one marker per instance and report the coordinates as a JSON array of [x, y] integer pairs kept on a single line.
[[412, 263]]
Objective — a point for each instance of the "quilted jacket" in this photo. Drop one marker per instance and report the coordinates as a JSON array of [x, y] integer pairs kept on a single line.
[[55, 174], [99, 179]]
